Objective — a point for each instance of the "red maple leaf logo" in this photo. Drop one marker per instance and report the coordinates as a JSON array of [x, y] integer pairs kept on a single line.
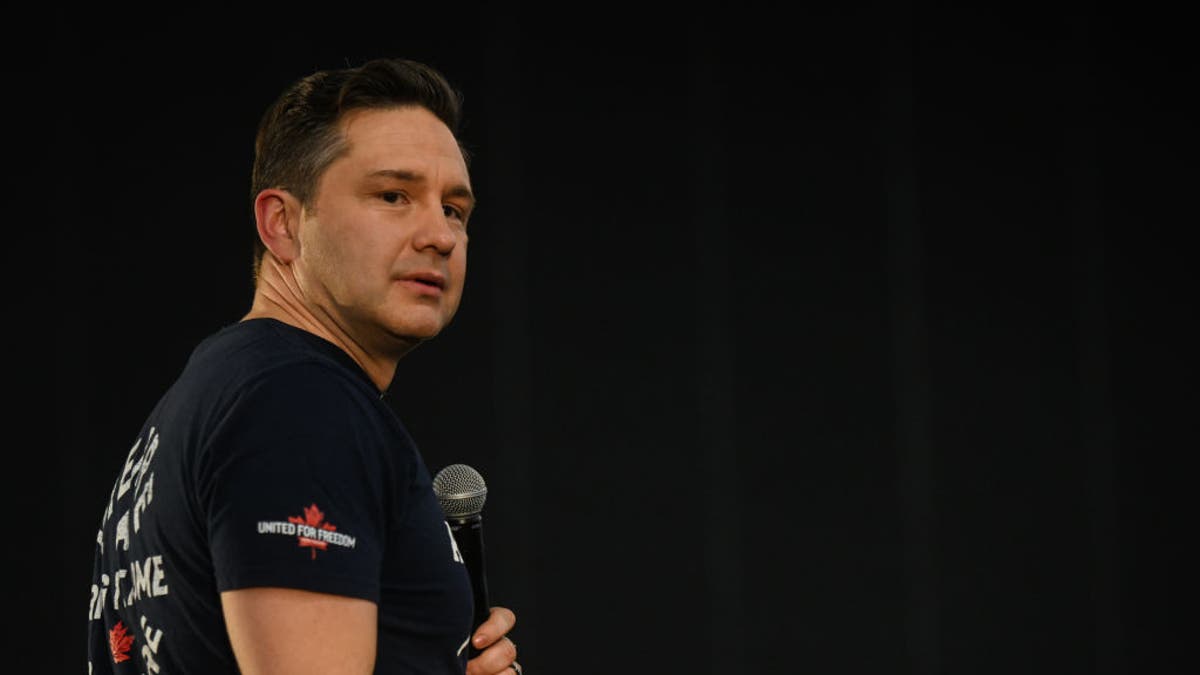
[[119, 641], [313, 517]]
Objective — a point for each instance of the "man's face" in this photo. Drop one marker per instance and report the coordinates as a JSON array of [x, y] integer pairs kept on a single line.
[[383, 252]]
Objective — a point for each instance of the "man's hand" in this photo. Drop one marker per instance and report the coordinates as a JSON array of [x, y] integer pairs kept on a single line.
[[498, 653]]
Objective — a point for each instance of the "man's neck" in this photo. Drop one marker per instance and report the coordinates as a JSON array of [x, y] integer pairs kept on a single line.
[[276, 297]]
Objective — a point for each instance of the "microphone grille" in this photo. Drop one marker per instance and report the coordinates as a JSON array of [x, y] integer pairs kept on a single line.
[[460, 490]]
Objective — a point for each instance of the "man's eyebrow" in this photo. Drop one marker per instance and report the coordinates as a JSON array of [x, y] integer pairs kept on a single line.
[[459, 190]]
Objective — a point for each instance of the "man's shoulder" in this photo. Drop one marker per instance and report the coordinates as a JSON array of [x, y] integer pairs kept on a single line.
[[263, 361], [261, 346]]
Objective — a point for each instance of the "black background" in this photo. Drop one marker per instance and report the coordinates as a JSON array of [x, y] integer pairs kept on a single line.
[[853, 340]]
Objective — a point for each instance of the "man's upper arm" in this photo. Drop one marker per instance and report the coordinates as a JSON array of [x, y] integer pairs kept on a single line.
[[284, 631]]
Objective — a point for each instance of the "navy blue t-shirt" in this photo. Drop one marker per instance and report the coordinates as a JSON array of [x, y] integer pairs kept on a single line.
[[272, 461]]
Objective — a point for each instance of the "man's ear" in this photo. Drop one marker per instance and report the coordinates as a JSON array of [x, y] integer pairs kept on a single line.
[[277, 215]]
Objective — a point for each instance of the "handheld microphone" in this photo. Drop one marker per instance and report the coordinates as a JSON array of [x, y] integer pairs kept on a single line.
[[461, 492]]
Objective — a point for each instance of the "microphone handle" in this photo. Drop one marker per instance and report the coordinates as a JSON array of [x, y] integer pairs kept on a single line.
[[468, 534]]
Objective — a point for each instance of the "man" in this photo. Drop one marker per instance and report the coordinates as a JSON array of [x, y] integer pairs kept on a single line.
[[273, 515]]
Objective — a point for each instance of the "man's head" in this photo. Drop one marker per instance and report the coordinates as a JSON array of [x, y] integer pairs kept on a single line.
[[299, 135], [361, 196]]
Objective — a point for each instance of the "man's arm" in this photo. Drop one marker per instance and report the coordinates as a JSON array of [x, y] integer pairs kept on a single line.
[[284, 631]]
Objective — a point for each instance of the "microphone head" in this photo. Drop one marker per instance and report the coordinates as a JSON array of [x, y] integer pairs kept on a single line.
[[460, 490]]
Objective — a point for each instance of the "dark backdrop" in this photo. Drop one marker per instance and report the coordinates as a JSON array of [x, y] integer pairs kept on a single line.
[[846, 340]]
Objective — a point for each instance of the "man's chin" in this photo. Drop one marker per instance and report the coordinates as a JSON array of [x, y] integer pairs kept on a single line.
[[420, 325]]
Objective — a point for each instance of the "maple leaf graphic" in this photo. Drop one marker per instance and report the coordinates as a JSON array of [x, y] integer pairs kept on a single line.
[[313, 517], [119, 641]]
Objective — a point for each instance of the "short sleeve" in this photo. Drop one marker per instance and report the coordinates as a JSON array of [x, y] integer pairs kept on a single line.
[[293, 485]]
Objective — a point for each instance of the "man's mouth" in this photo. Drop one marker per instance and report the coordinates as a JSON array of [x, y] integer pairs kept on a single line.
[[429, 279]]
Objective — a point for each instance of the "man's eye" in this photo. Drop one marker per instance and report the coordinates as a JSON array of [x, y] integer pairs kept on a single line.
[[392, 197], [452, 211]]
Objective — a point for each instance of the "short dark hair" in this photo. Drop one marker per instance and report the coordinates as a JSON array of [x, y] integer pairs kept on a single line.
[[299, 135]]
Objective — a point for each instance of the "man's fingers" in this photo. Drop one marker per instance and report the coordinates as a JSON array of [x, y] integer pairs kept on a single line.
[[499, 622]]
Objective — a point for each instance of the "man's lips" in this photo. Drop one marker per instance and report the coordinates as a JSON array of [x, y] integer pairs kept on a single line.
[[427, 280]]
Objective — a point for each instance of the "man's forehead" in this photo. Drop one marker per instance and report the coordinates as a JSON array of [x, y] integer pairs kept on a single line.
[[387, 144]]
